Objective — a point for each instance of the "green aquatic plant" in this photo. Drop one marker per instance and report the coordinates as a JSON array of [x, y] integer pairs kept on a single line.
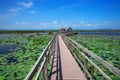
[[16, 65], [107, 47]]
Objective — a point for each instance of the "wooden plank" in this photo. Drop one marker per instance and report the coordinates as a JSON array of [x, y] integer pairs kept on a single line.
[[69, 65], [55, 69]]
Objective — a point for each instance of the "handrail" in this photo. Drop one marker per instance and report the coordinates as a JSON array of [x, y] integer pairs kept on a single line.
[[77, 46], [40, 63]]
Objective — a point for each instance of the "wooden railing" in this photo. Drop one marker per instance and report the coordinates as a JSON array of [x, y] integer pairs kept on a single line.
[[85, 58], [40, 67]]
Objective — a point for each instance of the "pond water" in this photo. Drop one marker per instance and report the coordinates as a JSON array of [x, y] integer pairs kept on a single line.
[[6, 48]]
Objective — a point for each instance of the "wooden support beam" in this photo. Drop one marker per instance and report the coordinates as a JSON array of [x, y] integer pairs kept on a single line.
[[86, 64], [92, 72]]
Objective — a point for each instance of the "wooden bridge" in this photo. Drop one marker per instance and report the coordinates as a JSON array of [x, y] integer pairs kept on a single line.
[[65, 59]]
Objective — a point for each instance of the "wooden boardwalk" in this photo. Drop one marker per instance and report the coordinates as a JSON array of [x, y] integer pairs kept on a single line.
[[64, 66]]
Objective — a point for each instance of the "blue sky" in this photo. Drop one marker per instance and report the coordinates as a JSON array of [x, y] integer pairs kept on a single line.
[[54, 14]]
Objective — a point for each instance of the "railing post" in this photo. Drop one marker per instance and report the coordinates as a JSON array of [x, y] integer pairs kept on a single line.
[[92, 72], [76, 53], [49, 57], [44, 72], [86, 65], [66, 41], [49, 54]]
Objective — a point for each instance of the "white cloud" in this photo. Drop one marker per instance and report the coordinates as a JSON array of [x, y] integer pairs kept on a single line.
[[32, 11], [14, 9], [79, 24], [86, 24], [74, 25], [7, 15], [55, 22], [89, 25], [49, 23], [22, 23], [25, 4], [82, 22], [44, 23]]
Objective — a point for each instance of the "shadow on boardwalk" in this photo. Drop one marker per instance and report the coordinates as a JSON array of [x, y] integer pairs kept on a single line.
[[56, 69]]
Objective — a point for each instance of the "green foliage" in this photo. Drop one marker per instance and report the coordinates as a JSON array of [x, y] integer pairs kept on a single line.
[[29, 49], [107, 47]]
